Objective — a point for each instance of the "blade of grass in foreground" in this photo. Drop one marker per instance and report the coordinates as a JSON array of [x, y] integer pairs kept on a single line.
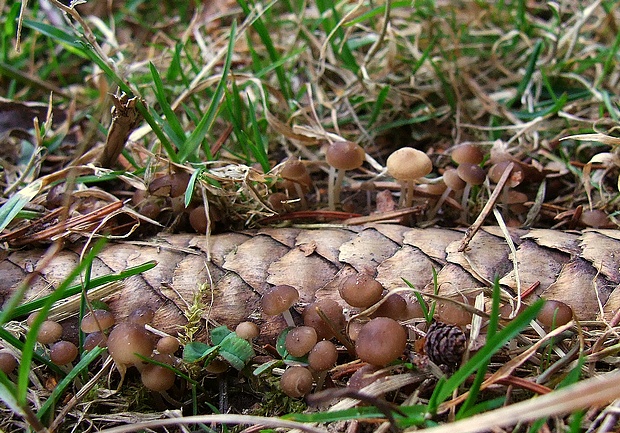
[[22, 310], [68, 379], [444, 389], [16, 203], [31, 337]]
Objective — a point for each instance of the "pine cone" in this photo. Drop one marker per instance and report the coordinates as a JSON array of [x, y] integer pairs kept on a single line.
[[445, 344]]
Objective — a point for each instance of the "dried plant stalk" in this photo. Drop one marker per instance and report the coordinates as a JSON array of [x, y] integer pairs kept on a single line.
[[580, 268]]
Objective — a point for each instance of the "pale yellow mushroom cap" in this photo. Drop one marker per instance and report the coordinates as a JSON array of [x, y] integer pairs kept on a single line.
[[408, 163]]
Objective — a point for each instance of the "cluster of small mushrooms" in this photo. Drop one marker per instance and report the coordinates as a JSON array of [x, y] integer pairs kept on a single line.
[[380, 328], [129, 343], [470, 168]]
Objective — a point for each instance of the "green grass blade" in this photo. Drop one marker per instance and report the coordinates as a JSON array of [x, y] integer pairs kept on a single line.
[[491, 347], [339, 46], [176, 130], [274, 56], [19, 345], [31, 337], [10, 314], [68, 40], [258, 146], [378, 105], [491, 330], [16, 203], [529, 71], [68, 379], [203, 127]]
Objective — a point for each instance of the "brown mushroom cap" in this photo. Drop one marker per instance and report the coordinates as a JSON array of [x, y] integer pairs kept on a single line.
[[381, 341], [345, 155], [278, 299], [554, 314], [128, 339], [454, 314], [332, 311], [453, 180], [93, 340], [158, 378], [394, 306], [595, 218], [8, 363], [141, 316], [296, 381], [170, 185], [360, 290], [516, 176], [247, 330], [278, 201], [300, 340], [467, 153], [323, 356], [168, 345], [49, 332], [471, 173], [408, 163], [198, 219], [295, 171], [63, 352], [97, 320]]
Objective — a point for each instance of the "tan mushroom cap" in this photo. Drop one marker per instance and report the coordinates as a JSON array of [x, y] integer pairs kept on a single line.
[[408, 163], [345, 155]]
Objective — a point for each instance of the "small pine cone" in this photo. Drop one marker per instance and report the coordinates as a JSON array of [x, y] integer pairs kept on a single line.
[[445, 344]]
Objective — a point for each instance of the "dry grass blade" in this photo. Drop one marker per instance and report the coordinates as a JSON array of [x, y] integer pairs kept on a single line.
[[265, 422], [590, 393]]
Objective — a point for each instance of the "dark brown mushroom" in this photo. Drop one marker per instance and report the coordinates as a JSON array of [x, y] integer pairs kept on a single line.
[[158, 378], [93, 340], [49, 332], [141, 316], [97, 320], [467, 154], [300, 340], [296, 381], [167, 345], [278, 300], [360, 290], [247, 330], [128, 340], [331, 310], [394, 307], [341, 156], [63, 352], [323, 356], [8, 363], [381, 341], [554, 314]]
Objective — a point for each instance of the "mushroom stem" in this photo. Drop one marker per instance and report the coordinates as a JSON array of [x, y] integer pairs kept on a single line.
[[409, 185], [338, 186], [302, 197], [465, 201], [440, 202], [288, 318], [331, 197]]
